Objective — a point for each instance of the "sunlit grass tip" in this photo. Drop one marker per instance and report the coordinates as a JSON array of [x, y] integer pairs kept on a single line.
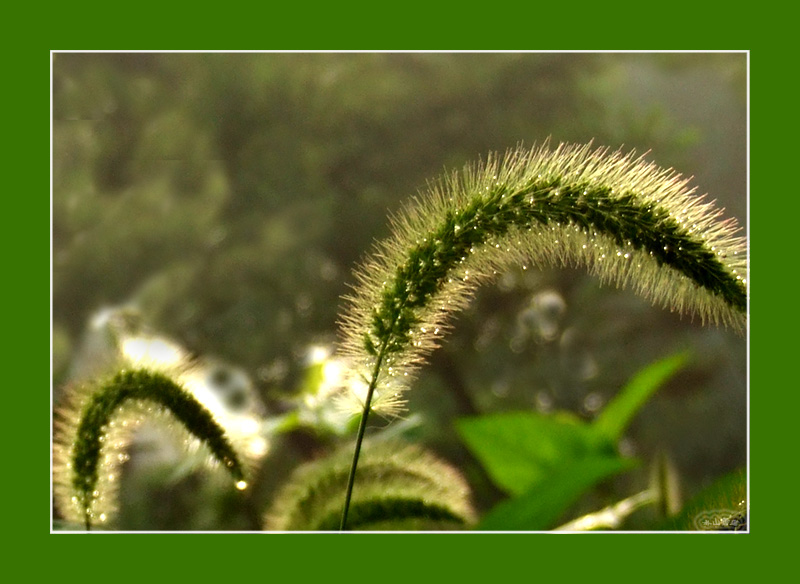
[[94, 428]]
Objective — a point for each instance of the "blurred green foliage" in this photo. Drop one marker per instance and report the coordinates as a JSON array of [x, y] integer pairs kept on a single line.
[[228, 195], [546, 462]]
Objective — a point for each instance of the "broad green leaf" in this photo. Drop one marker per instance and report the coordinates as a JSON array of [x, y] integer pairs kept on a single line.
[[520, 449], [542, 505], [547, 462], [615, 417]]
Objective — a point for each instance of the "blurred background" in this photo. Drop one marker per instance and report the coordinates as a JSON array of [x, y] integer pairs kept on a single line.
[[222, 199]]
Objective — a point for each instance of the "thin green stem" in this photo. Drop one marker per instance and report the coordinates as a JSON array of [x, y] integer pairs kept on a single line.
[[362, 427]]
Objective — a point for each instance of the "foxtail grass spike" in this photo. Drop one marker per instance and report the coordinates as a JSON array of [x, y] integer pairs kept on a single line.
[[92, 434], [401, 487], [630, 222]]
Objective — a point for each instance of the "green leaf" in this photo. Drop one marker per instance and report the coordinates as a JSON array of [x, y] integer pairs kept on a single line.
[[547, 462], [615, 417], [541, 506], [521, 449]]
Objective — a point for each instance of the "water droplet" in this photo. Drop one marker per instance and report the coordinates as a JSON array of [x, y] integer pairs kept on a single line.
[[592, 402], [544, 403]]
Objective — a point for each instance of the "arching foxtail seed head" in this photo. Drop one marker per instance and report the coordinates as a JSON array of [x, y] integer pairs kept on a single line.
[[628, 221], [92, 433]]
